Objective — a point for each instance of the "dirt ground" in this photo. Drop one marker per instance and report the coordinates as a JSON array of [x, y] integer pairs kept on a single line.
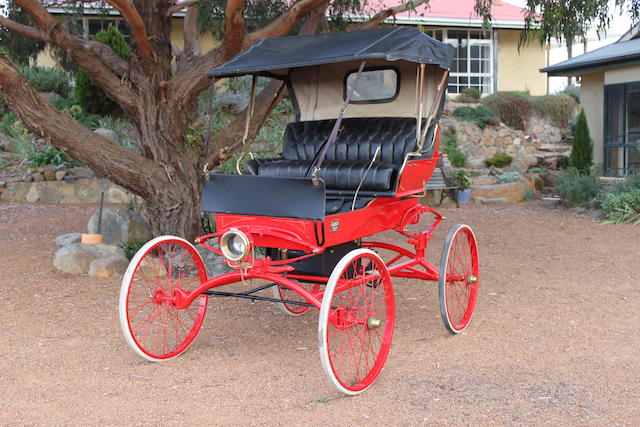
[[554, 339]]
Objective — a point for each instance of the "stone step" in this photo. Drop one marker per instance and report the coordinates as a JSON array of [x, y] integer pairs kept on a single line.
[[491, 200], [558, 148], [483, 180]]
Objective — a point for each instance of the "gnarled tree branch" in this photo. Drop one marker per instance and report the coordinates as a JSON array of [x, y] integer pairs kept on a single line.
[[190, 31], [178, 7], [138, 29], [285, 22], [98, 61], [24, 30], [234, 28], [71, 137], [379, 17]]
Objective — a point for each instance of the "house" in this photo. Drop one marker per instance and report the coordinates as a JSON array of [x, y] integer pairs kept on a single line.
[[487, 60], [610, 97]]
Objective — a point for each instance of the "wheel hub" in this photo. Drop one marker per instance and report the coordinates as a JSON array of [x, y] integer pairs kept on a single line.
[[472, 279], [373, 323]]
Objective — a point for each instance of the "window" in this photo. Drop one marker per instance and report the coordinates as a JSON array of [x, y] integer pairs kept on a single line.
[[375, 85], [473, 59], [622, 129], [87, 28]]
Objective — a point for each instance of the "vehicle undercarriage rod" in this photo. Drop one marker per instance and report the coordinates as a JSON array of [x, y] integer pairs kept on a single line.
[[249, 295]]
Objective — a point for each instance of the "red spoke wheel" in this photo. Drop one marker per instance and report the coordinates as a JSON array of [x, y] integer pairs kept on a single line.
[[152, 326], [284, 293], [356, 321], [459, 278]]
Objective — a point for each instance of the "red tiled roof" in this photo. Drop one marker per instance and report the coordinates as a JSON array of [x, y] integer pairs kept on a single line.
[[455, 10]]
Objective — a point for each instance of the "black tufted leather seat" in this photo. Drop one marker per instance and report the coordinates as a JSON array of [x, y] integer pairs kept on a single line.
[[348, 158]]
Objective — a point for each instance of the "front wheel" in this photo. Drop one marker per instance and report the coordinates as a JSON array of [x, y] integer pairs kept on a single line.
[[152, 326], [458, 280], [356, 321]]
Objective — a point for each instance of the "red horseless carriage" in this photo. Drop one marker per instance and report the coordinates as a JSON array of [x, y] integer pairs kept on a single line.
[[354, 164]]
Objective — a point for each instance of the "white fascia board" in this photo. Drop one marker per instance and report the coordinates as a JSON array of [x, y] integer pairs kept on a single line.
[[442, 22]]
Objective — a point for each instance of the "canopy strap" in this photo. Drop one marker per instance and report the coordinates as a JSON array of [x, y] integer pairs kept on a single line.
[[315, 166], [442, 88]]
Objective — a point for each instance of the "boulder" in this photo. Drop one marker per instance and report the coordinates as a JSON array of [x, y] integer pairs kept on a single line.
[[68, 239], [75, 258], [77, 173], [49, 173], [59, 175], [120, 225], [108, 266], [107, 133]]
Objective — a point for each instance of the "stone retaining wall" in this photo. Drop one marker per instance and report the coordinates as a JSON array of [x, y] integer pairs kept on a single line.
[[78, 191]]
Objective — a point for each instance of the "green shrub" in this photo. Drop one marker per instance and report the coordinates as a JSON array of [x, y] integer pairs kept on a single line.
[[572, 91], [581, 156], [577, 188], [481, 115], [513, 109], [558, 108], [49, 155], [622, 208], [461, 177], [91, 97], [450, 147], [47, 79], [132, 246], [509, 177], [499, 160], [469, 95], [72, 108]]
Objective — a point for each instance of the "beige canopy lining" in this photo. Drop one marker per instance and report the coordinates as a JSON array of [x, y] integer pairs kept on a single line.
[[319, 91]]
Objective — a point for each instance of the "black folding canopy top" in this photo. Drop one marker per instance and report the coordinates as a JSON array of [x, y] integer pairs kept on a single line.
[[274, 56]]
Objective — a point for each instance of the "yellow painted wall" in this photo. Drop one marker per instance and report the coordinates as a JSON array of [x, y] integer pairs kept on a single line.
[[592, 101], [518, 70], [622, 75], [45, 59], [206, 40]]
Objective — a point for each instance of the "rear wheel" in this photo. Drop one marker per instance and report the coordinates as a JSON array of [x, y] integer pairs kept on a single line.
[[152, 326], [284, 293], [356, 322], [459, 276]]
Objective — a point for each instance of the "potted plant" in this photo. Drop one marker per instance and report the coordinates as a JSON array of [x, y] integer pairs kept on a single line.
[[462, 178]]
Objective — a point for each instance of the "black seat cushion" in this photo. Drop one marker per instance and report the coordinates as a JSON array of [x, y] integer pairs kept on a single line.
[[358, 139], [341, 175]]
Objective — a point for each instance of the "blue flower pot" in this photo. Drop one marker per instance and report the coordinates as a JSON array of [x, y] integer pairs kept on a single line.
[[464, 196]]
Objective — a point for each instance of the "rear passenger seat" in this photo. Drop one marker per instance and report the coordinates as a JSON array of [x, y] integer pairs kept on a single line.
[[349, 157]]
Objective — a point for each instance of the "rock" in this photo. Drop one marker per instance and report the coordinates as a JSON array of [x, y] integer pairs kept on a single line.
[[68, 239], [109, 250], [38, 177], [14, 179], [77, 173], [557, 148], [62, 167], [512, 191], [107, 133], [27, 178], [3, 184], [49, 173], [491, 200], [41, 192], [75, 258], [120, 225], [59, 175], [35, 170], [117, 194], [15, 192], [108, 266]]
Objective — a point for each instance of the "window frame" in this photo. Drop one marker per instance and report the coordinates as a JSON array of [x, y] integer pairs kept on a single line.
[[624, 143], [454, 76], [375, 101]]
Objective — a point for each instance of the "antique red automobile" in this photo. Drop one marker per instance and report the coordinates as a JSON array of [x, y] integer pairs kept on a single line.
[[354, 163]]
